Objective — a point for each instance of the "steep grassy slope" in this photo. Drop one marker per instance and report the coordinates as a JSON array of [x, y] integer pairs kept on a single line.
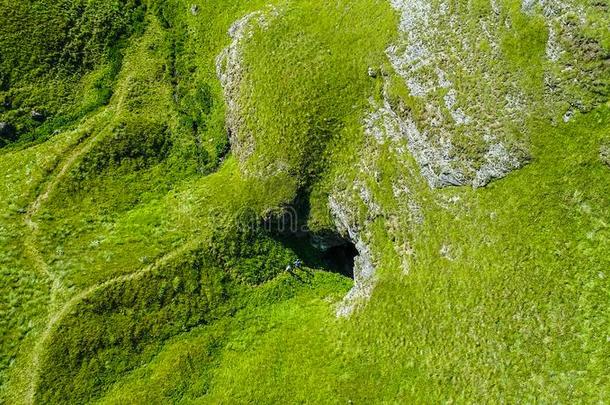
[[135, 244]]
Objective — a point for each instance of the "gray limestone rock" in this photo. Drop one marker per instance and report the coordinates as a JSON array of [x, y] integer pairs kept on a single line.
[[604, 153]]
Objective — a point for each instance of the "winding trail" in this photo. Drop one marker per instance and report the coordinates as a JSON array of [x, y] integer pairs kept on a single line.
[[55, 319], [61, 169], [30, 245], [57, 312]]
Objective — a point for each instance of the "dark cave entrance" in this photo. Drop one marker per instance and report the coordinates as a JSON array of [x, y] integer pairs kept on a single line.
[[328, 250], [340, 259], [331, 252]]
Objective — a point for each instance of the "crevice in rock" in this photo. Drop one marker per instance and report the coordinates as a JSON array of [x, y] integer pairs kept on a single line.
[[339, 250], [328, 250]]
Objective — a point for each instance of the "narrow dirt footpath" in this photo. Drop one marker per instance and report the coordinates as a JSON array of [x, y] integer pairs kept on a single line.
[[57, 311]]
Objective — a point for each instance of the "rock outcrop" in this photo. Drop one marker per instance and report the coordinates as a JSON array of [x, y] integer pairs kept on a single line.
[[364, 268], [452, 99], [464, 130], [464, 122], [229, 68]]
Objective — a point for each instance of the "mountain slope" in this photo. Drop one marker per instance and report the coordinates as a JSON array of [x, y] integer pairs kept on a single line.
[[164, 162]]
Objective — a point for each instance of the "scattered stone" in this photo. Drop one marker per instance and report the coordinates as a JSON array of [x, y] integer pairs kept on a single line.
[[498, 163], [445, 252], [450, 179], [373, 73], [194, 9], [604, 154], [528, 5], [37, 116]]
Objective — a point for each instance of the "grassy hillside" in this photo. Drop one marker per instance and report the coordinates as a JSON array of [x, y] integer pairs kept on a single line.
[[59, 61], [150, 151]]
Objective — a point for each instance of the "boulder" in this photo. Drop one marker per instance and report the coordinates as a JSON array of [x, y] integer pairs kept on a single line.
[[604, 154], [37, 116], [7, 131]]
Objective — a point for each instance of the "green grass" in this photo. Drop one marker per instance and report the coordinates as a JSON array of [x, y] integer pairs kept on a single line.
[[25, 291], [503, 321], [153, 291], [60, 58]]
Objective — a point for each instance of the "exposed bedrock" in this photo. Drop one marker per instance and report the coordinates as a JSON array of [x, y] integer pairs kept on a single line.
[[465, 114]]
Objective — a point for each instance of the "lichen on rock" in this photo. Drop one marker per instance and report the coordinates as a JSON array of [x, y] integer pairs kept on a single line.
[[578, 75], [465, 114], [444, 70]]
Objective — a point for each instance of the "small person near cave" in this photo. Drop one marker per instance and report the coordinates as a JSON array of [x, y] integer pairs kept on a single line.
[[297, 265]]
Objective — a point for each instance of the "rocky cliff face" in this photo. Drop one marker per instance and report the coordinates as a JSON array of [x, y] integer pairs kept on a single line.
[[230, 67]]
